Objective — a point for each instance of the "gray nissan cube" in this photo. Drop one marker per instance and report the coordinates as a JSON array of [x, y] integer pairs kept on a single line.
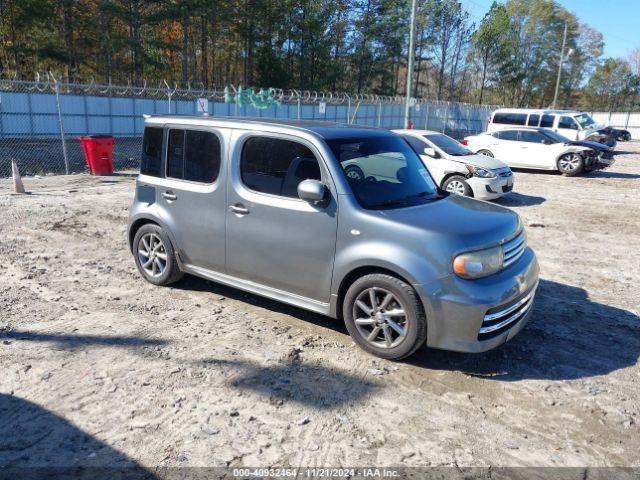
[[342, 220]]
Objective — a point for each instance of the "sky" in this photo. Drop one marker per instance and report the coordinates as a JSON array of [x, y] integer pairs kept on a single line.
[[617, 20]]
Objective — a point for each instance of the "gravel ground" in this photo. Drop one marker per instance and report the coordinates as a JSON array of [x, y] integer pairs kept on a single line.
[[100, 368]]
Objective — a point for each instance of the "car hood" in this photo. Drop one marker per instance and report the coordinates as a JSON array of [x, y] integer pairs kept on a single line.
[[482, 161], [459, 222], [593, 145]]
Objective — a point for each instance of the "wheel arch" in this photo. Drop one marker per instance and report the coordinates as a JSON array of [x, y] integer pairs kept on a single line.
[[360, 272]]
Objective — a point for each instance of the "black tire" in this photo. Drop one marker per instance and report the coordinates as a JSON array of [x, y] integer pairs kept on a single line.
[[570, 164], [457, 184], [171, 272], [354, 172], [486, 153], [404, 298]]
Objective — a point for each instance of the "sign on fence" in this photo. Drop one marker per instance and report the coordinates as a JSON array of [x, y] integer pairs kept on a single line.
[[202, 106], [322, 108]]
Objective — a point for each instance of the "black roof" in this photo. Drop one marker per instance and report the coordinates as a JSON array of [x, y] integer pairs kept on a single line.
[[324, 129]]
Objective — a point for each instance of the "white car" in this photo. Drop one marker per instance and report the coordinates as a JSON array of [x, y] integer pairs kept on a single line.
[[535, 148], [456, 169]]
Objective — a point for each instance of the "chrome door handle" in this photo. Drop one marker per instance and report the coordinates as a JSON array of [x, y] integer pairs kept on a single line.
[[169, 196], [239, 209]]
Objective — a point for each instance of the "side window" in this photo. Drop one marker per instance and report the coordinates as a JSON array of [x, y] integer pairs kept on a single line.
[[276, 166], [531, 137], [193, 155], [151, 151], [507, 135], [510, 118], [547, 121], [567, 122], [534, 119]]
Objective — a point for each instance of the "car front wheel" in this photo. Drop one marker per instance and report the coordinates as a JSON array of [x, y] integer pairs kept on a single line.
[[570, 164], [384, 316], [457, 184]]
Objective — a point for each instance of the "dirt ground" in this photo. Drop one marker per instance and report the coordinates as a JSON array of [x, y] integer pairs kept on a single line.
[[100, 368]]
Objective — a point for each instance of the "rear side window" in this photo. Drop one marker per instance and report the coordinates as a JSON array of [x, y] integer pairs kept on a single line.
[[534, 119], [510, 118], [547, 121], [507, 135], [193, 155], [151, 151], [531, 137], [567, 122], [276, 166]]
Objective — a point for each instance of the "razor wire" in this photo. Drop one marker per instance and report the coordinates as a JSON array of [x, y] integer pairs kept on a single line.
[[42, 120]]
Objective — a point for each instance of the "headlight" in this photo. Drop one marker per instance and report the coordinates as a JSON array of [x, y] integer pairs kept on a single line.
[[480, 172], [478, 264]]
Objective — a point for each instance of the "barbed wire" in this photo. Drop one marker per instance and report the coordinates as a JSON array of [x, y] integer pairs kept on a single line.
[[49, 81]]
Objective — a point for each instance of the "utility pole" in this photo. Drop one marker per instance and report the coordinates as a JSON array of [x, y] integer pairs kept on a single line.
[[564, 41], [412, 32]]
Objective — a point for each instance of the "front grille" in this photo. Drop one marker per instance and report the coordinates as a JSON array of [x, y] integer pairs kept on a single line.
[[507, 188], [505, 173], [514, 248], [499, 319]]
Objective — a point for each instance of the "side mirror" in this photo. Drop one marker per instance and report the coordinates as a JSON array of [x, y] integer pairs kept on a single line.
[[312, 191], [546, 141], [430, 151]]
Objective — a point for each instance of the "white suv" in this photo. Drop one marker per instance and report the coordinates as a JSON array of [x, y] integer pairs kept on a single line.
[[572, 124]]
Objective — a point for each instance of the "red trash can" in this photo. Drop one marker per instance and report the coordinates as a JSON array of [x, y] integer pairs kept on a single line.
[[98, 152]]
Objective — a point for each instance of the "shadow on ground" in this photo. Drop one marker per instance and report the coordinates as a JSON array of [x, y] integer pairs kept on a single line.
[[197, 284], [568, 337], [75, 341], [295, 381], [515, 199], [607, 174], [38, 444]]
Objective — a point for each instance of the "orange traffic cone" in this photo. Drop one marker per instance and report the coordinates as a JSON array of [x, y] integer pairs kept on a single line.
[[18, 187]]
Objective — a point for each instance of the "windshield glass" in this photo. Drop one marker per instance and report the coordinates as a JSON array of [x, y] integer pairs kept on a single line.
[[584, 120], [448, 145], [384, 172], [555, 137]]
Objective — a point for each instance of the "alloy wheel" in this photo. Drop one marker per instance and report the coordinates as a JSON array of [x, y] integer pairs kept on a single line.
[[570, 162], [152, 254], [455, 186], [380, 317]]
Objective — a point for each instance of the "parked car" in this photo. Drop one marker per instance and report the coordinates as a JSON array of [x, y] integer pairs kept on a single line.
[[457, 169], [268, 207], [534, 148], [572, 124]]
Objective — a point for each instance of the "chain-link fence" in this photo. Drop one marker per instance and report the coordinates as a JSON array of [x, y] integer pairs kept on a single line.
[[41, 121]]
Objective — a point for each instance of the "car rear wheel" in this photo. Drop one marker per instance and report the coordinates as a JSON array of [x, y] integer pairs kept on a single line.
[[457, 184], [384, 316], [155, 256], [486, 153], [570, 164]]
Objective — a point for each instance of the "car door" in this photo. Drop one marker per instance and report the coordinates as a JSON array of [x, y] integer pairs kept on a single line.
[[274, 239], [505, 148], [568, 127], [191, 196], [533, 149]]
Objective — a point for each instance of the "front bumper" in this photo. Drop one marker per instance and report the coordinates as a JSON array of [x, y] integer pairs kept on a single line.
[[478, 315], [490, 188]]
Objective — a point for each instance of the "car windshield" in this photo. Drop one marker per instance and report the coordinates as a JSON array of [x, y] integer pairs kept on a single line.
[[555, 137], [584, 120], [384, 172], [448, 145]]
